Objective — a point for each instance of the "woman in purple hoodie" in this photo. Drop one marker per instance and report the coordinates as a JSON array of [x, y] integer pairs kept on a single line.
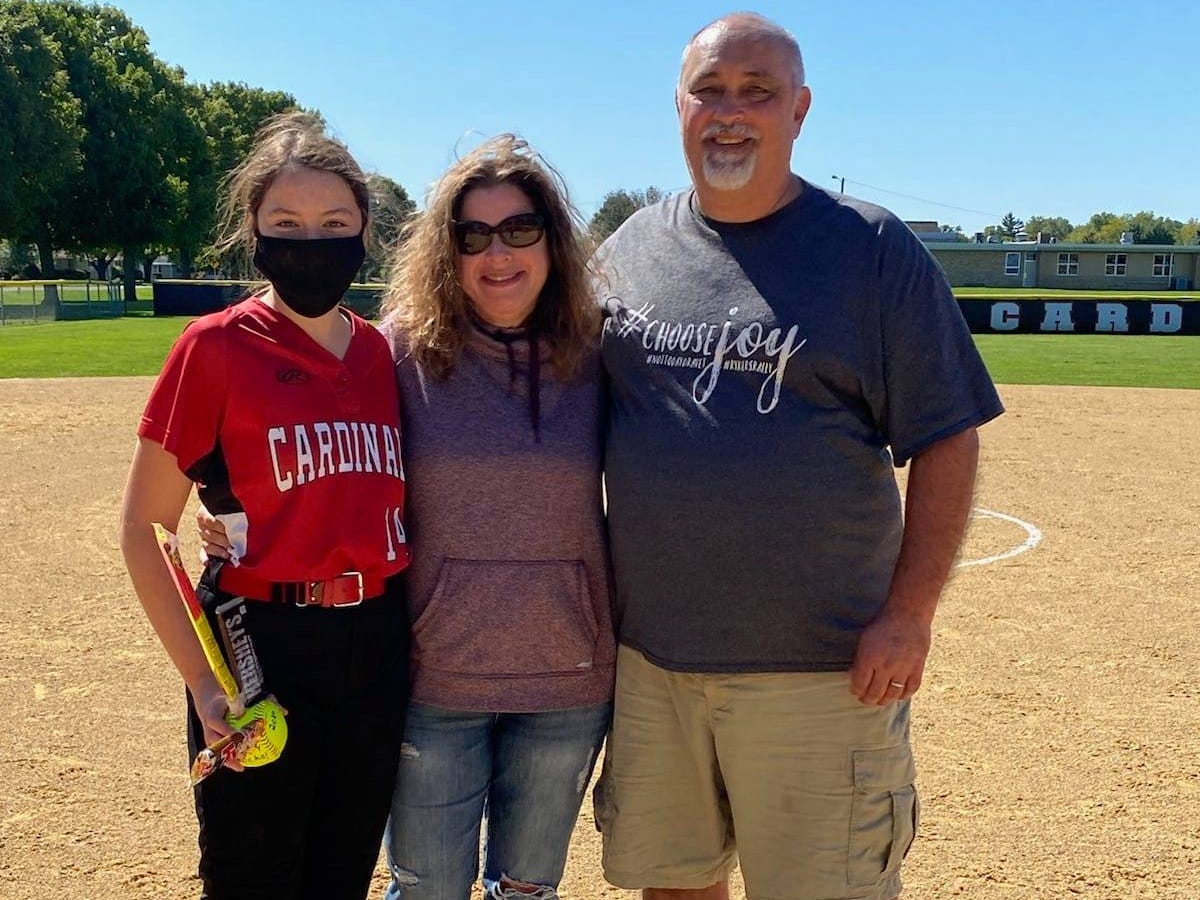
[[495, 334]]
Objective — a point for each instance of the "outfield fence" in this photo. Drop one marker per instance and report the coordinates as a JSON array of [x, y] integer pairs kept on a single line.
[[34, 302], [1014, 312], [195, 297]]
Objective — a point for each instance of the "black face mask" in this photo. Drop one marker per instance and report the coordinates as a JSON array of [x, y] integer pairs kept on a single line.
[[309, 276]]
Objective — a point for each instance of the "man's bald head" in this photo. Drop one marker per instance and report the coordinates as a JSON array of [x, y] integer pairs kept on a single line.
[[747, 25]]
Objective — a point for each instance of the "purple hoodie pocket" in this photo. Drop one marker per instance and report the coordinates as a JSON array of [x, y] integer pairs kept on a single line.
[[508, 619]]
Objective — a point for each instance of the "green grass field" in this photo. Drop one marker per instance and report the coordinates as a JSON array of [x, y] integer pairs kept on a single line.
[[1110, 360], [134, 345], [137, 346]]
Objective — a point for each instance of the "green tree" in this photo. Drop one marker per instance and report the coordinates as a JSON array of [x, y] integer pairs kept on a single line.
[[1101, 228], [231, 113], [191, 188], [1145, 227], [139, 136], [1010, 226], [1048, 226], [136, 137], [104, 149], [618, 206], [1189, 232], [391, 207], [21, 258], [40, 152], [188, 188]]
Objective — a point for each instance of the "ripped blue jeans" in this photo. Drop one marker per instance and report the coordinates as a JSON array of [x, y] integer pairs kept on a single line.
[[520, 777]]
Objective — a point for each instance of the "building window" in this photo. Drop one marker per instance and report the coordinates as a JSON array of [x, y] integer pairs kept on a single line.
[[1164, 265], [1012, 263], [1114, 264], [1068, 264]]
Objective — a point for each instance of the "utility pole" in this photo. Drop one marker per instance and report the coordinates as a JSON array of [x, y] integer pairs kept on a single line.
[[842, 179]]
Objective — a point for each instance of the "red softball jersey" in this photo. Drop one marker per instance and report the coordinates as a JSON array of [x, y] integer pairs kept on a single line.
[[297, 451]]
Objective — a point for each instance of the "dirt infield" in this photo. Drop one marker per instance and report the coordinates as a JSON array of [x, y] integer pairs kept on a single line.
[[1058, 732]]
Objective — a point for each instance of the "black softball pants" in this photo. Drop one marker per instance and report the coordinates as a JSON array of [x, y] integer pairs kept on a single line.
[[309, 824]]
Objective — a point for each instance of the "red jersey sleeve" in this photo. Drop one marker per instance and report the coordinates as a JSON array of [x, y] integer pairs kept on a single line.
[[187, 404]]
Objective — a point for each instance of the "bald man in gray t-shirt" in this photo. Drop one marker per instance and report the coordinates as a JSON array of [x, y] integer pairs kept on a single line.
[[772, 352]]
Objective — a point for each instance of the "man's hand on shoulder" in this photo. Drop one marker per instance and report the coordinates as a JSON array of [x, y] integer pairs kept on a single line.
[[890, 660]]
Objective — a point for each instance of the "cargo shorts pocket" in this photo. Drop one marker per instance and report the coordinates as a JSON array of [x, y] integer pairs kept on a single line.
[[883, 813]]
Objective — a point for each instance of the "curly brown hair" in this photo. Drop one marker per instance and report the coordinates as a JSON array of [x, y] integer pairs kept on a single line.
[[293, 138], [424, 298]]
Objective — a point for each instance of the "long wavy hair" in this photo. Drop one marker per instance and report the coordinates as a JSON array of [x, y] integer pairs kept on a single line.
[[424, 298]]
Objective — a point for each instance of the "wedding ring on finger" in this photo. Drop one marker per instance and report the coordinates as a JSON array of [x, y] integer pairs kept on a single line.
[[898, 685]]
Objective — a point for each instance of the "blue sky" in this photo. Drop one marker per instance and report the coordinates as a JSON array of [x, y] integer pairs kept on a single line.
[[955, 112]]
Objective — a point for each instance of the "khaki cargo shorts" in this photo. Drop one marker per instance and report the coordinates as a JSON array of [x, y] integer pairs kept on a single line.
[[785, 772]]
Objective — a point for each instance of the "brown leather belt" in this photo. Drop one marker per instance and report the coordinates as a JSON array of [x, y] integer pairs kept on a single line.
[[346, 589]]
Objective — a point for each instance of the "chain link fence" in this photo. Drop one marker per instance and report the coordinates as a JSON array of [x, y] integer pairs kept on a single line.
[[35, 302]]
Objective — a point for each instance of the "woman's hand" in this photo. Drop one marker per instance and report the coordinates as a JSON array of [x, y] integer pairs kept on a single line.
[[212, 534]]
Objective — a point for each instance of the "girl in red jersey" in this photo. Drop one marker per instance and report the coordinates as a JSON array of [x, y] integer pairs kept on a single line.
[[283, 409]]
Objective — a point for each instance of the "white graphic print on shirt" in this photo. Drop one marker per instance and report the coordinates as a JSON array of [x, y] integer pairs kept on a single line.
[[710, 347]]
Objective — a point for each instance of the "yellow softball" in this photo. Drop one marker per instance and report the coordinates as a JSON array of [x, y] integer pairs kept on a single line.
[[269, 745]]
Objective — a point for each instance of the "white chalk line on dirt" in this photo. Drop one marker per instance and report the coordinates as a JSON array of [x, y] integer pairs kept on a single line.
[[1033, 538]]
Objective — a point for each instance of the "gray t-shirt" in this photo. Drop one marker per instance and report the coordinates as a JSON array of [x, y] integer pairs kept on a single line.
[[759, 374]]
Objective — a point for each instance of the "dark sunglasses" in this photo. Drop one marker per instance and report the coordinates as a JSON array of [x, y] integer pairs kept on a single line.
[[523, 230]]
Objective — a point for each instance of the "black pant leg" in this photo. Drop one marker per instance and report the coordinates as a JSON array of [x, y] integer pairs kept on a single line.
[[309, 825], [254, 824], [354, 787]]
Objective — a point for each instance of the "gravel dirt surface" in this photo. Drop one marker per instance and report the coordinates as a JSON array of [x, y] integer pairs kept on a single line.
[[1057, 734]]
